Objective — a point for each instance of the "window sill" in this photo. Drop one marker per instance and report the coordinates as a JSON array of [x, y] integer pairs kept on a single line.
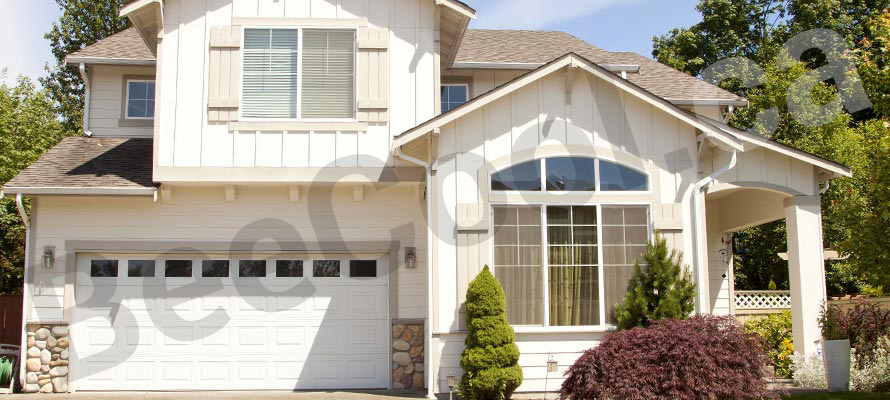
[[135, 123], [297, 126]]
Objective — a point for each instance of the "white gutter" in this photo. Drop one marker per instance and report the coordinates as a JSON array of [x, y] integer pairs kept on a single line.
[[428, 340], [86, 100], [25, 295], [698, 242]]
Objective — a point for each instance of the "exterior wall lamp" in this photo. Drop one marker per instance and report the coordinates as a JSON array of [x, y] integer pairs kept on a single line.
[[49, 257], [411, 257]]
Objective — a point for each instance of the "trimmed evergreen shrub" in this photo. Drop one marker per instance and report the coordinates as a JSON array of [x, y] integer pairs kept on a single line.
[[490, 359], [663, 288], [704, 357]]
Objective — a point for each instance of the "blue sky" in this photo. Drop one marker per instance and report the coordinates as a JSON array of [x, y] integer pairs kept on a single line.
[[616, 25]]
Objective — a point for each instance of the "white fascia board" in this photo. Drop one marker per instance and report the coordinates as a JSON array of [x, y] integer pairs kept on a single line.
[[138, 5], [574, 61], [78, 191], [759, 141], [110, 61], [459, 7], [709, 102]]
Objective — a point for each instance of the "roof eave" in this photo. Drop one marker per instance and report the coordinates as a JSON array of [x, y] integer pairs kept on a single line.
[[569, 60], [739, 102], [109, 61], [458, 6], [835, 169], [78, 191]]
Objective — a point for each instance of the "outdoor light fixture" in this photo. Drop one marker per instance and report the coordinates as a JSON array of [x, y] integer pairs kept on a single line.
[[452, 382], [49, 256], [411, 257]]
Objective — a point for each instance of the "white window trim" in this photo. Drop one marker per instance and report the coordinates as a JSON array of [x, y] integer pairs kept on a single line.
[[545, 262], [127, 100], [300, 118], [544, 190], [465, 85]]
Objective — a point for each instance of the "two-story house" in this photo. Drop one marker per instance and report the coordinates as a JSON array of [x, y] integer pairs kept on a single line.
[[295, 194]]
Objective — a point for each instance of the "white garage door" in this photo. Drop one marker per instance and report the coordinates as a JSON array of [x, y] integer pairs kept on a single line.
[[229, 323]]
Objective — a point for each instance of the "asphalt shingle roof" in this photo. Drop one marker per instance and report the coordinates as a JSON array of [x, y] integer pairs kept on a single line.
[[82, 162], [541, 47], [124, 45]]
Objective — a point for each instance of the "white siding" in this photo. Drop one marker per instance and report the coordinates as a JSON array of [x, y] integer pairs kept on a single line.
[[202, 215], [187, 139], [538, 118], [106, 101]]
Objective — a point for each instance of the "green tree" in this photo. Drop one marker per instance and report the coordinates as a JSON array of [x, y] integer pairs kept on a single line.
[[662, 289], [28, 127], [490, 359], [756, 30], [82, 23]]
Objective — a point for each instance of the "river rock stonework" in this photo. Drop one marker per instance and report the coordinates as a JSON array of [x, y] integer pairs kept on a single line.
[[46, 365], [407, 354]]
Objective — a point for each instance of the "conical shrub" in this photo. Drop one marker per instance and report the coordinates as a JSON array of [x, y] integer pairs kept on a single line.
[[490, 359]]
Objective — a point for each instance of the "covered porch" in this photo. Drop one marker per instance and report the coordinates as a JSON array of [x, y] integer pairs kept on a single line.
[[733, 207]]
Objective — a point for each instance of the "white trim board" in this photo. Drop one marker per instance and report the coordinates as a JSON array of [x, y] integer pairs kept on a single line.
[[570, 60]]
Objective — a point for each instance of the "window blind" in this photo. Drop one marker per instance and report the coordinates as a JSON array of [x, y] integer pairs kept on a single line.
[[271, 72], [328, 74]]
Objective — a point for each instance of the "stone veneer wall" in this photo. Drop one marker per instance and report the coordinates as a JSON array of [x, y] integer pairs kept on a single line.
[[46, 366], [407, 354]]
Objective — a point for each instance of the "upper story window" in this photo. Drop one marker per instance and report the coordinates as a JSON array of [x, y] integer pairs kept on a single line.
[[140, 99], [570, 174], [453, 95], [296, 73]]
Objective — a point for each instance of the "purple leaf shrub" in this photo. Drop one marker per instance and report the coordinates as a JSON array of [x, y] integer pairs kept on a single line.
[[702, 357]]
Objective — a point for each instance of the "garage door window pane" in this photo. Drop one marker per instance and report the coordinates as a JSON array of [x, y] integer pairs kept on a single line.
[[289, 268], [141, 268], [326, 268], [215, 269], [178, 268], [363, 268], [252, 268], [103, 268]]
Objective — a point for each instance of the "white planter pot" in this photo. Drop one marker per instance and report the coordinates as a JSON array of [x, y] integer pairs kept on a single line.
[[836, 355]]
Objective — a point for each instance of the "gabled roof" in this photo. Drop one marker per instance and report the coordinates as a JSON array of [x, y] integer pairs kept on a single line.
[[575, 61], [781, 148], [125, 47], [83, 165], [531, 49]]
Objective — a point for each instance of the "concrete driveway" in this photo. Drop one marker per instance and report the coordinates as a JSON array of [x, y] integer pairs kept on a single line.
[[334, 395]]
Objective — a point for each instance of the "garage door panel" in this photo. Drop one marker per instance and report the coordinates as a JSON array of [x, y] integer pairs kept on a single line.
[[201, 335]]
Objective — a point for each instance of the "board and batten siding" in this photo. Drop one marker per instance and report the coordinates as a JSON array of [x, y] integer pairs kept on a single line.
[[538, 119], [107, 100], [201, 214], [192, 135]]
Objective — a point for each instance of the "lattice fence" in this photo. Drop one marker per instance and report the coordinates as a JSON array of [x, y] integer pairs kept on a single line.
[[763, 300]]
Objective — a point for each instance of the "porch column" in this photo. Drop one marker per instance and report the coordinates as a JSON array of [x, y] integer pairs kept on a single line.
[[803, 217]]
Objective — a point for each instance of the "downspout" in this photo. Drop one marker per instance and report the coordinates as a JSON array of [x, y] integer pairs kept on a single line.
[[86, 100], [698, 242], [25, 295], [428, 340]]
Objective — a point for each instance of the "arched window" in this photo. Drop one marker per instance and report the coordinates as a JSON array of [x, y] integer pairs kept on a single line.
[[525, 176], [570, 174], [614, 177]]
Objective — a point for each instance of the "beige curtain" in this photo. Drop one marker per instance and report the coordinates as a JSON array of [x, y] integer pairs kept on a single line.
[[518, 262]]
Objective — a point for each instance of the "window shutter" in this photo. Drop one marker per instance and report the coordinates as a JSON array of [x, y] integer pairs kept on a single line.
[[328, 74], [373, 74], [225, 73]]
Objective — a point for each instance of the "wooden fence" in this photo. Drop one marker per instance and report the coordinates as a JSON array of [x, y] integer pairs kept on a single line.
[[11, 319]]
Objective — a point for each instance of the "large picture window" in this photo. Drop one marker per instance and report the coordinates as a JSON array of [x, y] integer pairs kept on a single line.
[[567, 265], [295, 73]]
